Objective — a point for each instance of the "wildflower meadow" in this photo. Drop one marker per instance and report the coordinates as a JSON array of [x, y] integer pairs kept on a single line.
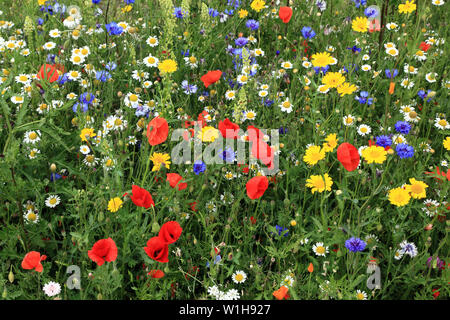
[[224, 150]]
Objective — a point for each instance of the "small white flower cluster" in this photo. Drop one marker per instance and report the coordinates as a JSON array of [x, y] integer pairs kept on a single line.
[[231, 294]]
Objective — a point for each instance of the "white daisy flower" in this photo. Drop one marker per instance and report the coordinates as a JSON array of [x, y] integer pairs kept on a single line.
[[152, 41], [32, 136], [49, 45], [55, 33], [286, 106], [364, 129], [230, 94], [239, 276], [151, 61], [52, 201], [84, 149], [31, 217], [319, 249]]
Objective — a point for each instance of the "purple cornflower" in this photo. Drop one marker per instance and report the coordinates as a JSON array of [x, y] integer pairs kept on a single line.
[[435, 263], [240, 42], [404, 150], [199, 167], [179, 13], [391, 74], [308, 33], [113, 29], [355, 244], [363, 98], [383, 141], [252, 24], [228, 155], [402, 127], [281, 229]]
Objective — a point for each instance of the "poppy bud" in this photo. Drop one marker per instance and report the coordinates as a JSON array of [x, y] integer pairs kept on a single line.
[[155, 227], [53, 167], [5, 293], [11, 276]]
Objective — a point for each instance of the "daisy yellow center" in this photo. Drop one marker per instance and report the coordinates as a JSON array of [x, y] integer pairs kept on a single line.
[[392, 51], [442, 122], [286, 104], [320, 249], [84, 52], [52, 201], [23, 78], [363, 129], [244, 78], [109, 163], [411, 69], [349, 120], [90, 158], [133, 98], [239, 277], [32, 135], [360, 296], [76, 59], [152, 40], [118, 122], [151, 60], [31, 216]]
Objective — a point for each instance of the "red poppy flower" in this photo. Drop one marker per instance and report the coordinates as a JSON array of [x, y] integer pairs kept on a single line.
[[141, 197], [170, 232], [201, 119], [48, 72], [424, 46], [211, 77], [160, 131], [103, 250], [256, 187], [174, 178], [254, 133], [229, 129], [285, 14], [374, 25], [157, 250], [157, 274], [193, 206], [252, 220], [348, 156], [263, 152], [438, 173], [32, 260], [281, 293]]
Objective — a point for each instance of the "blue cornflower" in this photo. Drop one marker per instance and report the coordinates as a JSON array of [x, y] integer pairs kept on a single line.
[[354, 49], [404, 150], [252, 24], [362, 98], [280, 230], [188, 88], [199, 167], [391, 74], [358, 3], [383, 141], [241, 41], [51, 58], [308, 33], [63, 78], [103, 75], [283, 130], [268, 102], [233, 3], [324, 70], [87, 98], [371, 12], [40, 21], [111, 66], [213, 12], [113, 29], [96, 1], [228, 155], [179, 13], [403, 127], [422, 94], [185, 54], [129, 1], [55, 176], [142, 111], [216, 260], [355, 244]]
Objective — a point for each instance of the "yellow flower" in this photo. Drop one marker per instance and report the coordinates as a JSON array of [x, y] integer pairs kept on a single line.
[[417, 189], [258, 5], [168, 66], [208, 134], [331, 142], [333, 79], [399, 197], [242, 13], [160, 159], [446, 143], [374, 154], [87, 132], [321, 59], [41, 2], [115, 204], [318, 183], [313, 155], [127, 8], [360, 24], [408, 7], [346, 88]]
